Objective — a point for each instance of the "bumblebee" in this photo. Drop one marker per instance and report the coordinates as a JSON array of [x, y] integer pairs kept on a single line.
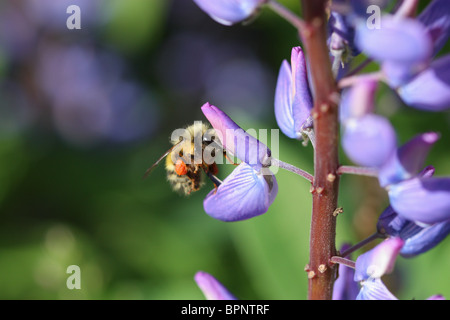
[[185, 159]]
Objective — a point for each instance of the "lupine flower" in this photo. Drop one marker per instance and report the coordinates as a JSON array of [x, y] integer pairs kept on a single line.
[[293, 101], [403, 46], [414, 196], [374, 289], [408, 160], [418, 238], [436, 19], [251, 188], [378, 261], [228, 12], [211, 288], [372, 265], [430, 90], [345, 288], [368, 139], [341, 34], [425, 200]]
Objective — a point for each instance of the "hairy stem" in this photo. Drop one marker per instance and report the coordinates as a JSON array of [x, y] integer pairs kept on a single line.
[[326, 163], [294, 169], [340, 260], [362, 171]]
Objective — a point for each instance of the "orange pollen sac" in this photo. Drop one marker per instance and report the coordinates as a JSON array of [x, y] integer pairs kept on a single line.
[[180, 167]]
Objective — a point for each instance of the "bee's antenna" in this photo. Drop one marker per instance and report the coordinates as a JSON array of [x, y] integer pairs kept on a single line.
[[149, 170]]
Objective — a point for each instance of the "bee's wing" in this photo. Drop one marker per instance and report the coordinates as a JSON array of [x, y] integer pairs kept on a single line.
[[149, 170]]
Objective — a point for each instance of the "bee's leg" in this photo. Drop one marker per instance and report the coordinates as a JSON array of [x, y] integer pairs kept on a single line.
[[214, 179], [229, 159]]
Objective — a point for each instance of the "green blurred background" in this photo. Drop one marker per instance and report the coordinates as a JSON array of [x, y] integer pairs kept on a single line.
[[83, 113]]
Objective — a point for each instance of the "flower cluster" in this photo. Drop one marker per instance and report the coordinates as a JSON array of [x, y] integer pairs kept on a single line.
[[418, 216]]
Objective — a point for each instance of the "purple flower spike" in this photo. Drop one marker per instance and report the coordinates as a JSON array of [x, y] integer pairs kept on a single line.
[[211, 288], [378, 261], [228, 12], [374, 289], [293, 101], [408, 160], [369, 140], [244, 194], [436, 18], [425, 200], [430, 90], [235, 140]]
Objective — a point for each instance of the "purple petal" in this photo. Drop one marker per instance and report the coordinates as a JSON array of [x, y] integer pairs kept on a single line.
[[398, 74], [244, 194], [426, 239], [369, 141], [425, 200], [293, 101], [378, 261], [390, 223], [302, 101], [344, 287], [404, 41], [436, 297], [436, 18], [228, 12], [430, 90], [358, 100], [342, 34], [235, 140], [283, 102], [211, 288], [374, 289], [408, 160]]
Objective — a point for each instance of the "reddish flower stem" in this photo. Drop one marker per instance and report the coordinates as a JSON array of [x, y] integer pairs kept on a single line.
[[326, 163]]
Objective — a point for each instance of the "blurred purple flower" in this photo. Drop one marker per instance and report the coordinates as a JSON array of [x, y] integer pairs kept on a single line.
[[425, 200], [358, 100], [430, 89], [89, 100], [372, 265], [378, 261], [53, 14], [436, 18], [251, 188], [408, 160], [418, 239], [293, 101], [228, 12], [402, 45], [369, 140], [211, 288], [341, 36]]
